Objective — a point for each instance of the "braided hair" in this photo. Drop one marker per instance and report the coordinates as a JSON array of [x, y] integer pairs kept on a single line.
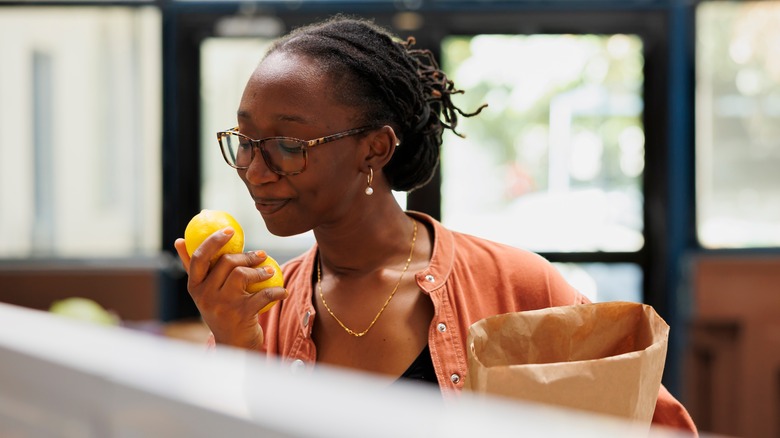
[[393, 82]]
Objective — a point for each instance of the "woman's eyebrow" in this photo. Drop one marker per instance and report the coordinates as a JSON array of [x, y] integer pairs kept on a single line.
[[244, 114]]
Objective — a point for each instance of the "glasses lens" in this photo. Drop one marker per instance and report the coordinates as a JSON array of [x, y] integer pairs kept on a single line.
[[236, 149], [284, 155]]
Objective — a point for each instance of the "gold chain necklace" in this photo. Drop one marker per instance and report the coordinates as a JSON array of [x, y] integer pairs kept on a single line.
[[349, 330]]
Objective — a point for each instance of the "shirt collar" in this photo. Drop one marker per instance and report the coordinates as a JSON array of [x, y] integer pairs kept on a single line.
[[429, 279], [442, 254]]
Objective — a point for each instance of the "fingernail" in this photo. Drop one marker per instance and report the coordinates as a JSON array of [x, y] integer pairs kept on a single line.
[[269, 270], [260, 253], [228, 231]]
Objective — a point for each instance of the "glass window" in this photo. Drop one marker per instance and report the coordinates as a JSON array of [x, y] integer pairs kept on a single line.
[[80, 132], [602, 282], [738, 124], [555, 162]]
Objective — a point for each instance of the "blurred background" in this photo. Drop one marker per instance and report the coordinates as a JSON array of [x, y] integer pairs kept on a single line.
[[631, 142]]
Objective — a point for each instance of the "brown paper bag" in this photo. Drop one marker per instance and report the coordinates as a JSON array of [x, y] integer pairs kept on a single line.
[[604, 357]]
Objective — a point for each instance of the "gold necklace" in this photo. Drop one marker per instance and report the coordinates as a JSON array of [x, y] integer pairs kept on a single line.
[[349, 330]]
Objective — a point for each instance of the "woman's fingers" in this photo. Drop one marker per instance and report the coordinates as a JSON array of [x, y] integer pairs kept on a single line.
[[243, 277], [232, 268], [201, 257]]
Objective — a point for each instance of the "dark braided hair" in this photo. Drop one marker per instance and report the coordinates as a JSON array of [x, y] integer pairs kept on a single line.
[[395, 84]]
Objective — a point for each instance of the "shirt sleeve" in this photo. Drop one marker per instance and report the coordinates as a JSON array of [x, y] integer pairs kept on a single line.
[[561, 292], [669, 412]]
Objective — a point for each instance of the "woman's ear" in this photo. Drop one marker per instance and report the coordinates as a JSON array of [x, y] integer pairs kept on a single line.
[[381, 146]]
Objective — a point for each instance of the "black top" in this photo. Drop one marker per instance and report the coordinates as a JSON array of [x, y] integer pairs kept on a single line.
[[422, 368]]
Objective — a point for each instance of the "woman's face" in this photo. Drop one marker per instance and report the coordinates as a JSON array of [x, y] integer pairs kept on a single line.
[[288, 95]]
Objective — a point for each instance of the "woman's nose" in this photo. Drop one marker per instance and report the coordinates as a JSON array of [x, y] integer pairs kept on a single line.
[[258, 171]]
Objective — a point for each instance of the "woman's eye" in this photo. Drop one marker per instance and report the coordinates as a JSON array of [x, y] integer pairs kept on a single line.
[[289, 146]]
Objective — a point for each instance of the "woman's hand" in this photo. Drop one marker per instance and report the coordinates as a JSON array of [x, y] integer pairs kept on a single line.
[[219, 291]]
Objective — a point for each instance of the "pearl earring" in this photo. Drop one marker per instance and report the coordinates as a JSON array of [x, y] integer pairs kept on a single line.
[[369, 189]]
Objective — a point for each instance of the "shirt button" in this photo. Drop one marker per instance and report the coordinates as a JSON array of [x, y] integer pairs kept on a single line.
[[430, 278], [442, 327], [455, 378], [306, 317], [297, 365]]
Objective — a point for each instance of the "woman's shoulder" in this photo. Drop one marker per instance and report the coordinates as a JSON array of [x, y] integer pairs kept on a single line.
[[469, 247], [473, 242], [537, 281], [523, 274], [499, 257]]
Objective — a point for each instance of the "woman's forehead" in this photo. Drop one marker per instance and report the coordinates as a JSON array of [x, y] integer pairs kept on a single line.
[[286, 76], [285, 63], [289, 87]]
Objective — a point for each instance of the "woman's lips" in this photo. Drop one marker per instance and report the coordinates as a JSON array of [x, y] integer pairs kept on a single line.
[[270, 206]]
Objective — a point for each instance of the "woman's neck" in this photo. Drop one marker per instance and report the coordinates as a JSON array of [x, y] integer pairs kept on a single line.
[[366, 240]]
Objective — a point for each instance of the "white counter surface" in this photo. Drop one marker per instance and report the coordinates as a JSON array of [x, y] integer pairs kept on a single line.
[[66, 378]]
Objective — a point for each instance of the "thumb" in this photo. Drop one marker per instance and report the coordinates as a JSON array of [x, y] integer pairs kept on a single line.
[[181, 249], [263, 298]]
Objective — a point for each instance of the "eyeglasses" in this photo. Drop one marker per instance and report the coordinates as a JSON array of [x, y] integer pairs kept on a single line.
[[283, 155]]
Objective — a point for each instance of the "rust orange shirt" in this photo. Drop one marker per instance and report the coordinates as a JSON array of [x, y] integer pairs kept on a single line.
[[508, 280]]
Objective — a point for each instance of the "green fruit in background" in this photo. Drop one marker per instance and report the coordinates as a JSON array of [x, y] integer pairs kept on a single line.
[[83, 309]]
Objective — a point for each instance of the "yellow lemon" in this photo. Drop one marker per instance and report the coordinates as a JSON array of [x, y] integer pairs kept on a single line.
[[205, 223], [276, 281]]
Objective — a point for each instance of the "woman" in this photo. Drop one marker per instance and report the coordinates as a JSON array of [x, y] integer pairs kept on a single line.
[[382, 290]]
